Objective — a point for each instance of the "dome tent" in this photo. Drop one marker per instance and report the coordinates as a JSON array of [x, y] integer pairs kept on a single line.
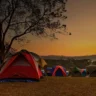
[[75, 72], [91, 70], [59, 71], [42, 63], [21, 65]]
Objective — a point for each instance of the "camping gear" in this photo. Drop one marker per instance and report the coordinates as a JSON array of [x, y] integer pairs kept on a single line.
[[59, 71], [83, 72], [75, 72], [67, 73], [49, 71], [40, 60], [21, 65]]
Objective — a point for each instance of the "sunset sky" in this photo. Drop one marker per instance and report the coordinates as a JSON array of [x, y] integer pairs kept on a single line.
[[81, 22]]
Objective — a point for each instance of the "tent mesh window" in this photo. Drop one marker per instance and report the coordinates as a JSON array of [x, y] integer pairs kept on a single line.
[[21, 61], [59, 72]]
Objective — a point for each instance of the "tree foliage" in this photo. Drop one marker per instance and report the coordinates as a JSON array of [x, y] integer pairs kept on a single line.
[[20, 17]]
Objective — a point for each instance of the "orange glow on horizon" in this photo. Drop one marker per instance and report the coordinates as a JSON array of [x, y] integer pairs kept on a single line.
[[81, 23]]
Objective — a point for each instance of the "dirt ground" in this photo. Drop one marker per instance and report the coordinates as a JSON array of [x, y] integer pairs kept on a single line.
[[51, 86]]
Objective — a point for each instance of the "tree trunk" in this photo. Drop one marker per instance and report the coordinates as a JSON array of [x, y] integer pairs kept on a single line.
[[1, 57], [2, 47]]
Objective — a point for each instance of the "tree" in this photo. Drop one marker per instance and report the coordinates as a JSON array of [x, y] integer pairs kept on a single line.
[[21, 17]]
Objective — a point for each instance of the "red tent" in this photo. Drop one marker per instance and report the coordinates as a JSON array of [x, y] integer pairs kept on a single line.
[[21, 65], [59, 71]]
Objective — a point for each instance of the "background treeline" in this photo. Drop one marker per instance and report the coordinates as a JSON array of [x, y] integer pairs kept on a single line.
[[69, 63]]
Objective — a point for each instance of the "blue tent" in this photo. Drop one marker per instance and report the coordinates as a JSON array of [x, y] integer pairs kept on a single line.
[[49, 71], [59, 71]]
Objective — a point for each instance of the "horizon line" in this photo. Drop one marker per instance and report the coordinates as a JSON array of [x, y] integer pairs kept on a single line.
[[70, 56]]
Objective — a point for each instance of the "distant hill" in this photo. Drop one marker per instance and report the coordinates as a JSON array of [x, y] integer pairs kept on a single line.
[[69, 61], [56, 57]]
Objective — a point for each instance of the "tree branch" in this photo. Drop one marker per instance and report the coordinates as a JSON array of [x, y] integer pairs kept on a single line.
[[0, 33], [6, 16], [12, 41], [19, 23], [9, 22], [25, 32]]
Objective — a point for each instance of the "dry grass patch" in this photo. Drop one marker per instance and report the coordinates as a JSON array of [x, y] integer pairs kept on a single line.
[[51, 86]]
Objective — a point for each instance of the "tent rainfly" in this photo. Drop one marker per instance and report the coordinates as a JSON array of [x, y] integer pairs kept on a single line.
[[91, 69], [59, 71], [75, 72], [21, 65]]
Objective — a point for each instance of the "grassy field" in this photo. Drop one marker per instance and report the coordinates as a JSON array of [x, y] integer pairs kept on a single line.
[[51, 86]]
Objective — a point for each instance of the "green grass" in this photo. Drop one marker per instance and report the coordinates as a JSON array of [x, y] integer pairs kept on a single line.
[[51, 86]]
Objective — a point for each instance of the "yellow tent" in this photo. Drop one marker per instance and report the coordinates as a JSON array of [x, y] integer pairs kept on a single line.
[[42, 62]]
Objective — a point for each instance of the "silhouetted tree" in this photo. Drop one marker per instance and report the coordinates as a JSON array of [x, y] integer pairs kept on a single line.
[[20, 17]]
